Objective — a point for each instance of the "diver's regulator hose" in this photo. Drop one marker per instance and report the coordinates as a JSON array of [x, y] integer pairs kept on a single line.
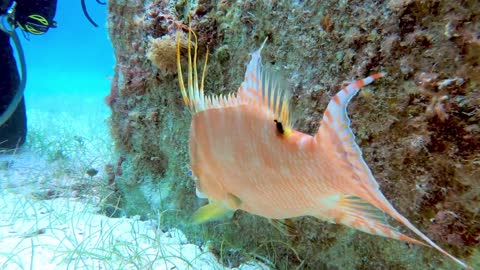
[[85, 12], [7, 26]]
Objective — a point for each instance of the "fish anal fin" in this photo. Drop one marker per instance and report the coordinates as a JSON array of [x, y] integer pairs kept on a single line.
[[214, 211], [357, 213]]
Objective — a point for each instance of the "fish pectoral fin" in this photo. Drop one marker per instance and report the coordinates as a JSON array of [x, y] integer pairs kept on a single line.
[[211, 212], [359, 214]]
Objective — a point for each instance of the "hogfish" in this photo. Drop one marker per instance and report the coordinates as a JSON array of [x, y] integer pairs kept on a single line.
[[245, 154]]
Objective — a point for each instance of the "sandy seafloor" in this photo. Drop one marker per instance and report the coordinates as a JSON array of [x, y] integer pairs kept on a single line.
[[49, 205]]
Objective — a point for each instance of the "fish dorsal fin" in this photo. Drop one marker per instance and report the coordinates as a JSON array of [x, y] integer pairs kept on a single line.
[[260, 86], [193, 93], [264, 88], [335, 131]]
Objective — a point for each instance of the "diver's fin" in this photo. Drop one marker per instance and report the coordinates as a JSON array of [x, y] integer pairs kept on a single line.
[[357, 213], [212, 211]]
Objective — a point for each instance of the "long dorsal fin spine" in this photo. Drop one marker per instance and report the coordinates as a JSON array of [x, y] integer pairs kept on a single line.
[[204, 73], [193, 93], [195, 74], [179, 71], [189, 74]]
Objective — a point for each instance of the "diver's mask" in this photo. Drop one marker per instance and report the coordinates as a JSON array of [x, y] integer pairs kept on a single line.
[[36, 24], [31, 19], [36, 17]]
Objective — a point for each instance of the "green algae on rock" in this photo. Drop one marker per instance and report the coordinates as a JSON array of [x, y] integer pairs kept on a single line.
[[418, 128]]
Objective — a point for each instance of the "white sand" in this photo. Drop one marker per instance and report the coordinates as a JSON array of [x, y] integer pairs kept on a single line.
[[47, 221]]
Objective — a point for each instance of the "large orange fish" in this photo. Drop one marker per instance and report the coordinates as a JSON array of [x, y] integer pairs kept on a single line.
[[245, 155]]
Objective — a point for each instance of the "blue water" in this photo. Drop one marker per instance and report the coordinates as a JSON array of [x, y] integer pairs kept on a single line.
[[69, 67]]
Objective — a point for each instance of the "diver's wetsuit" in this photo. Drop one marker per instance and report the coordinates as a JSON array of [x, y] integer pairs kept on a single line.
[[14, 131]]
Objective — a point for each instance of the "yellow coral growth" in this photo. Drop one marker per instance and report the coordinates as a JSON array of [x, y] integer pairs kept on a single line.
[[162, 52]]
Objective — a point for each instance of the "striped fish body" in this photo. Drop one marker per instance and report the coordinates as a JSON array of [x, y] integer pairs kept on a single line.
[[240, 158], [241, 153], [245, 155]]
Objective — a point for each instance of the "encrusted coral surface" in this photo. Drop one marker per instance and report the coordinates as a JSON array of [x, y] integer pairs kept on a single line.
[[418, 128]]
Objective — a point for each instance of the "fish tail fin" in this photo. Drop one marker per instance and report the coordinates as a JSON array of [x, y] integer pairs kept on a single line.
[[335, 130], [377, 199], [357, 213], [193, 94], [389, 209]]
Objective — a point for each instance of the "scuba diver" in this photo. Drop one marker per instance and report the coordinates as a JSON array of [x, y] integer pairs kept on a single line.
[[32, 17]]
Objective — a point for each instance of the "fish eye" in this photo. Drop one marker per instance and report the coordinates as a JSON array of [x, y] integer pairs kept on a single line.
[[279, 126]]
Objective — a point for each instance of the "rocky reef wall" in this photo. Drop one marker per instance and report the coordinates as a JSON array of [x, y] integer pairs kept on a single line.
[[418, 127]]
